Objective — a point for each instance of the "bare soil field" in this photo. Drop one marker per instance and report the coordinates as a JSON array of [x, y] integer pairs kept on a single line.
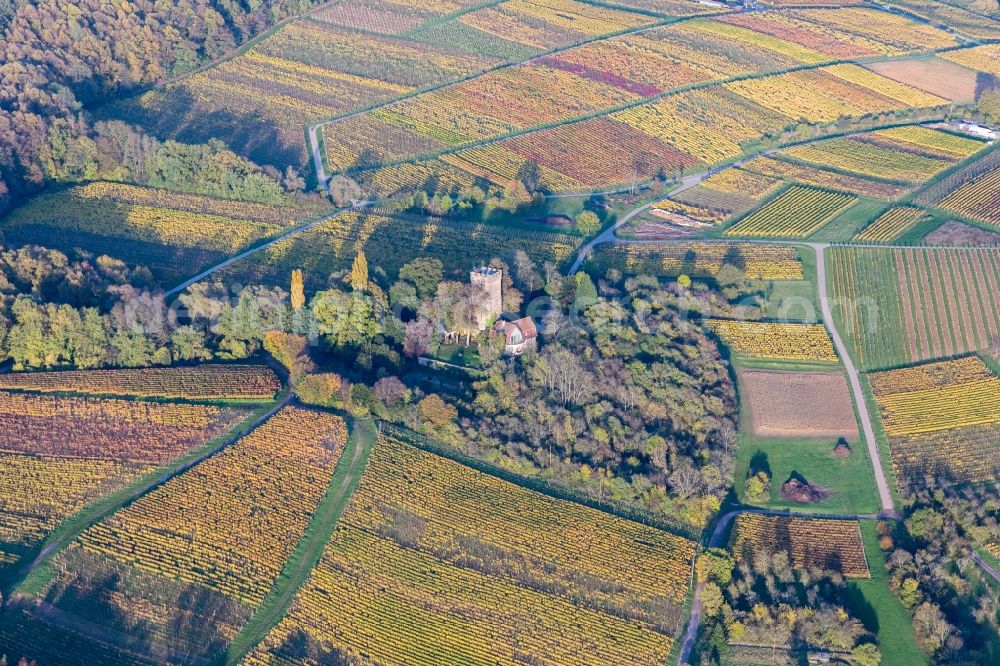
[[658, 231], [387, 18], [938, 77], [954, 233], [800, 404]]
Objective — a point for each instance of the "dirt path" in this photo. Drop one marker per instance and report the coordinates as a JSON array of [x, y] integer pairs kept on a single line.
[[312, 130], [95, 514], [868, 429], [888, 509], [310, 549]]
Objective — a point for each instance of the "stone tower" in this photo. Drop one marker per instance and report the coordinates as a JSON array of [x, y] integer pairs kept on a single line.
[[491, 281]]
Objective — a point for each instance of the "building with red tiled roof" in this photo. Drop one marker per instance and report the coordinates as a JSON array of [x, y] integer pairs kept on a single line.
[[519, 336]]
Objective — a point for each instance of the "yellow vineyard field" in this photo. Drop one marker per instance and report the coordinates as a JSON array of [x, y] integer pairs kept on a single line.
[[937, 396], [795, 342], [942, 419], [759, 262], [435, 563], [891, 224], [229, 523], [797, 213]]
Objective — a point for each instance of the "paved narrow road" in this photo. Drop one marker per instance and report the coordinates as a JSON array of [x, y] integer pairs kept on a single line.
[[855, 380], [985, 566], [322, 179], [246, 253], [609, 234], [868, 429]]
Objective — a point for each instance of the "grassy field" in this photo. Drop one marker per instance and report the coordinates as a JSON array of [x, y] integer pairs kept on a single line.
[[992, 361], [881, 611], [914, 235], [992, 561], [793, 300], [458, 354], [849, 480], [851, 221]]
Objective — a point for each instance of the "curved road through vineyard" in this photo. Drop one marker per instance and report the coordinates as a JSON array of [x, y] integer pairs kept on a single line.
[[609, 236]]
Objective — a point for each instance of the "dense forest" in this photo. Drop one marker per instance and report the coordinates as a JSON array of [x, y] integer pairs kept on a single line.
[[627, 394], [629, 399], [765, 600], [955, 606], [57, 58]]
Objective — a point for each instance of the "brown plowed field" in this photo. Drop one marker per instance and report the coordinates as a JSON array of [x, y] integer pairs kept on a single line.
[[938, 77], [799, 404]]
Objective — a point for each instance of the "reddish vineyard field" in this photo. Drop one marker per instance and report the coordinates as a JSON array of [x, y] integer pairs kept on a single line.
[[87, 428], [59, 454], [305, 72], [800, 173], [205, 382], [663, 127]]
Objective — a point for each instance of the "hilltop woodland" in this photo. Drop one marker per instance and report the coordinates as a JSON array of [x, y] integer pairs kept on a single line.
[[627, 396], [57, 60]]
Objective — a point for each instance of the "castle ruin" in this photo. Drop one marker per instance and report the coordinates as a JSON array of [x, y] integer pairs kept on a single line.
[[490, 280]]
